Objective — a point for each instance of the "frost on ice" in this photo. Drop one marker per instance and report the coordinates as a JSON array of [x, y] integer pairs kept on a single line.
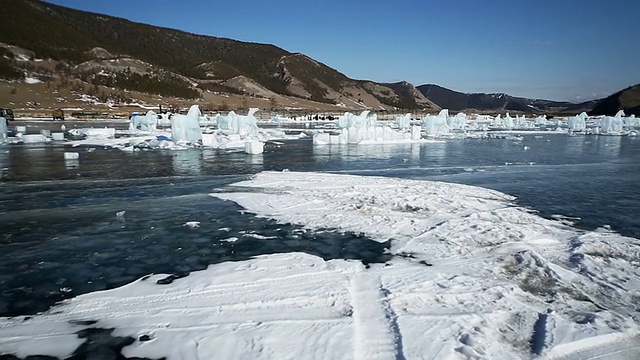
[[473, 276]]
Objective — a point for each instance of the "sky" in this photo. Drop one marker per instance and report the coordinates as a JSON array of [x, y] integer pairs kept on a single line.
[[574, 50]]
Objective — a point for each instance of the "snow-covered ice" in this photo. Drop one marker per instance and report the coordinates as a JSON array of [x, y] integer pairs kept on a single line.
[[474, 276]]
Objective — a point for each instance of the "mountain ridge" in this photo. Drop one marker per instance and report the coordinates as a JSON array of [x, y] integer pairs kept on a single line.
[[114, 59], [499, 102], [191, 64]]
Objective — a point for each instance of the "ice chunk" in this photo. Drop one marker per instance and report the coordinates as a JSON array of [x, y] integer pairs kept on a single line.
[[416, 132], [321, 139], [186, 128], [3, 129], [611, 125], [192, 224], [364, 128], [33, 138], [403, 121], [254, 147], [71, 155], [148, 122], [436, 125], [209, 140], [578, 123], [244, 125], [458, 122], [100, 133], [57, 136], [348, 120]]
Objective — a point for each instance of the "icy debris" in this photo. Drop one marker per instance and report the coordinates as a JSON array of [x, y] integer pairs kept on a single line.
[[192, 224]]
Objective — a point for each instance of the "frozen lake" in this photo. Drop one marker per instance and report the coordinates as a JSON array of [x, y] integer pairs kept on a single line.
[[61, 236], [461, 254]]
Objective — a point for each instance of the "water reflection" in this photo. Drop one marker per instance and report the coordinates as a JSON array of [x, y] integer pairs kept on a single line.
[[609, 145], [434, 152], [187, 162], [255, 160], [71, 163], [576, 145], [381, 153]]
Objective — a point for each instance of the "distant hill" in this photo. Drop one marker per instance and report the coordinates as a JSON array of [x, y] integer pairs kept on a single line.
[[481, 102], [103, 52], [66, 56], [627, 99]]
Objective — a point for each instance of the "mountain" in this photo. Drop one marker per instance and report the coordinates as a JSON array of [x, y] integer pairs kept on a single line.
[[627, 99], [114, 59], [481, 102]]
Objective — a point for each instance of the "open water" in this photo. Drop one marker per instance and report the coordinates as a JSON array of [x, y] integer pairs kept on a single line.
[[60, 235]]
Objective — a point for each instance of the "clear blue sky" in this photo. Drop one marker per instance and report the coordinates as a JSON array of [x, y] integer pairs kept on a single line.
[[561, 50]]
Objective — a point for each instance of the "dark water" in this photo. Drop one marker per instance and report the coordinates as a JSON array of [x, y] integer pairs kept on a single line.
[[60, 235]]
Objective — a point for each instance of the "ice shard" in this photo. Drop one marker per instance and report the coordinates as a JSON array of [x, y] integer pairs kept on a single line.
[[3, 129]]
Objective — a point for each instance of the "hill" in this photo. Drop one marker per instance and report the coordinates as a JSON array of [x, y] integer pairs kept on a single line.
[[116, 59], [481, 102], [627, 99]]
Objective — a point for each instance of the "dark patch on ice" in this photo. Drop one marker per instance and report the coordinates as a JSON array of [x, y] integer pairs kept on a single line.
[[169, 279], [467, 340], [166, 281], [143, 338], [392, 318], [538, 338], [584, 318], [99, 344], [406, 255], [32, 357], [425, 263], [83, 322], [575, 243], [576, 260]]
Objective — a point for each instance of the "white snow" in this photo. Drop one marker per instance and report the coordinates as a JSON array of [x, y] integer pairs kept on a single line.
[[472, 276], [32, 80]]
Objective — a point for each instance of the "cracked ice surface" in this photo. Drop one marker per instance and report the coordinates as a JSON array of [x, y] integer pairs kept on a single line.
[[474, 276]]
